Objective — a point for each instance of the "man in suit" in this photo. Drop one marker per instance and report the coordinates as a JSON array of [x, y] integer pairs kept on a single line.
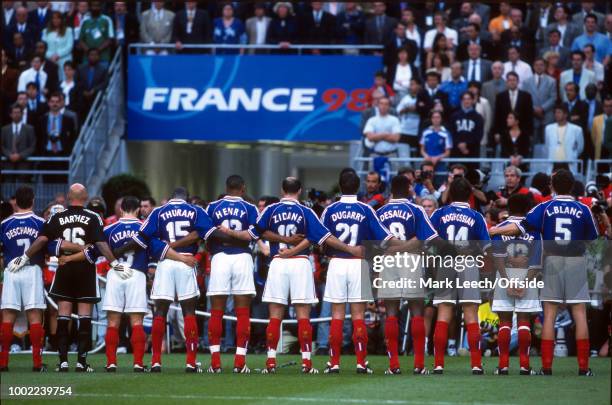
[[568, 30], [538, 18], [600, 123], [578, 112], [543, 90], [431, 97], [563, 140], [57, 132], [317, 26], [515, 100], [18, 54], [8, 14], [476, 68], [472, 33], [125, 23], [18, 143], [257, 27], [577, 74], [496, 85], [379, 26], [191, 26], [48, 66], [90, 79], [554, 45], [39, 17], [156, 26], [21, 25], [397, 40], [588, 8], [519, 36]]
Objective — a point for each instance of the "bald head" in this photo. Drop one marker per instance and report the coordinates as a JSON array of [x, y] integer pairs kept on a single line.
[[77, 194]]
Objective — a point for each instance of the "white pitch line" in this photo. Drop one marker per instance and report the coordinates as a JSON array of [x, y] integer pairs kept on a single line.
[[274, 398]]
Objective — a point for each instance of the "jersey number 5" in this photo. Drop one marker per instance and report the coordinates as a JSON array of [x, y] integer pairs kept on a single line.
[[562, 232]]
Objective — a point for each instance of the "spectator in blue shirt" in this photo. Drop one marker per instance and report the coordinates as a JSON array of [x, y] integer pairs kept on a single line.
[[455, 87], [436, 142], [229, 30], [602, 44]]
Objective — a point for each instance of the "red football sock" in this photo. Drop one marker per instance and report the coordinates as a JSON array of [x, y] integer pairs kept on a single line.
[[417, 328], [335, 341], [243, 332], [272, 337], [305, 338], [138, 340], [112, 340], [37, 337], [547, 348], [391, 337], [582, 353], [215, 330], [473, 330], [157, 338], [6, 337], [360, 340], [191, 338], [524, 337], [440, 340], [503, 344]]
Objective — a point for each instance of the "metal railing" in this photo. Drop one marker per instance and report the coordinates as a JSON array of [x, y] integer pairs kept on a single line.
[[37, 159], [139, 48], [105, 117]]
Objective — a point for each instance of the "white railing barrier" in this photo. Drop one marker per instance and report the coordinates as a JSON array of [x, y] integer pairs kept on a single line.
[[139, 48]]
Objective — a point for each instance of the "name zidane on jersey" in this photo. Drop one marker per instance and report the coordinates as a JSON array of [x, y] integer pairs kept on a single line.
[[429, 283]]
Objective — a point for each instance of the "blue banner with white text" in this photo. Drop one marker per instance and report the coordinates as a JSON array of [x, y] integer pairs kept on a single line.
[[248, 98]]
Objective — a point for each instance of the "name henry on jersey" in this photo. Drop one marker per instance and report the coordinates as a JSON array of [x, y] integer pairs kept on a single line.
[[177, 212], [70, 219], [22, 231], [227, 212]]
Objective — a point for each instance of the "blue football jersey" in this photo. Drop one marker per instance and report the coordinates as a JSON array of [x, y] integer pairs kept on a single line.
[[121, 232], [173, 221], [18, 232], [353, 222], [563, 220], [289, 217], [527, 245], [233, 213], [458, 222], [155, 252], [406, 220]]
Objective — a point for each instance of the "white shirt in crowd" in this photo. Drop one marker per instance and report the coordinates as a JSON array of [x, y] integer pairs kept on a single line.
[[522, 69], [28, 76], [262, 29], [410, 120], [449, 33], [379, 124], [403, 74]]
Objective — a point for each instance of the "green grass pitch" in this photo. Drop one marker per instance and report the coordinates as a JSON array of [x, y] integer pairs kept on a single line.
[[456, 386]]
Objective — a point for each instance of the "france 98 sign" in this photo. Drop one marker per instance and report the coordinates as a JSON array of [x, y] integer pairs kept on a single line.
[[248, 98]]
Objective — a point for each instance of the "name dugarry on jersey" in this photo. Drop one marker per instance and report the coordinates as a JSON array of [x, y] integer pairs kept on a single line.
[[406, 220], [173, 221], [18, 232], [288, 217], [528, 245], [233, 213], [563, 220], [353, 222]]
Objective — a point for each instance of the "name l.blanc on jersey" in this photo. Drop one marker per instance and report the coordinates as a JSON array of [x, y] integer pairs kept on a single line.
[[256, 99]]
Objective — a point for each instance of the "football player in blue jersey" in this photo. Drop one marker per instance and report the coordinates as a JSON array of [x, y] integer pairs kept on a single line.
[[566, 225], [405, 221], [467, 229], [516, 258], [290, 273], [22, 288], [348, 281]]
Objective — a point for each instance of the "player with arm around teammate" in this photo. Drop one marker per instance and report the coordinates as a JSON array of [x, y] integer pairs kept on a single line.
[[74, 283], [516, 258], [290, 273], [405, 221], [467, 229], [565, 225], [126, 292], [22, 288]]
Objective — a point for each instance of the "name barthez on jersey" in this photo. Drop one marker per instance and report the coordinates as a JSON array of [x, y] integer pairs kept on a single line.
[[70, 219]]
